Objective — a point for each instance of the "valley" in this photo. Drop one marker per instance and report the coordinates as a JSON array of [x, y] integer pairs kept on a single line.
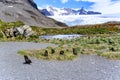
[[62, 43]]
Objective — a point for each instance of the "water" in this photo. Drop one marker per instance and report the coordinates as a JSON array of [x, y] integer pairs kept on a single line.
[[61, 36]]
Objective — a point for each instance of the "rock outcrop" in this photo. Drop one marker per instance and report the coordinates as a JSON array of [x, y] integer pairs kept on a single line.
[[25, 31], [25, 11]]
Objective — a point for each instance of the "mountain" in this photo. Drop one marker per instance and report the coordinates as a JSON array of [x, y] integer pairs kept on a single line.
[[53, 11], [25, 11]]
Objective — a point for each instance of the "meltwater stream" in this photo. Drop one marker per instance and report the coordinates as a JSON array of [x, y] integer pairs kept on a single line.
[[61, 36]]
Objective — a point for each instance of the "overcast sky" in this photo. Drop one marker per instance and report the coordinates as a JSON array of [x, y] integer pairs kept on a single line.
[[104, 6]]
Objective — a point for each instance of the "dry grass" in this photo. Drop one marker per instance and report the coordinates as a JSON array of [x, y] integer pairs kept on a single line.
[[111, 55], [39, 54]]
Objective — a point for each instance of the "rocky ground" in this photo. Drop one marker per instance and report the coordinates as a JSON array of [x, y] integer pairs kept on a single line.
[[88, 67]]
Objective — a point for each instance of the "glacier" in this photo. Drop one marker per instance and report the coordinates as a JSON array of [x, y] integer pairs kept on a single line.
[[72, 20]]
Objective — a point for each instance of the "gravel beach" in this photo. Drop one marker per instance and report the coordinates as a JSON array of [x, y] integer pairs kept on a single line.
[[87, 67]]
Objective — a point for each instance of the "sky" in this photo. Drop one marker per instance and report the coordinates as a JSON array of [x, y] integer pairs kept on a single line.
[[103, 6]]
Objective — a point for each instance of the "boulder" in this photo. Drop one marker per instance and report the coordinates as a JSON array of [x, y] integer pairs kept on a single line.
[[9, 32], [25, 31]]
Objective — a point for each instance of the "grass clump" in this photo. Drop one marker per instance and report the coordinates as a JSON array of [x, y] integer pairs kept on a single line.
[[100, 39], [40, 54], [92, 44], [111, 55]]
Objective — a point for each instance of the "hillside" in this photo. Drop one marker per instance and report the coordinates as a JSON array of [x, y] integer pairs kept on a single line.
[[25, 11]]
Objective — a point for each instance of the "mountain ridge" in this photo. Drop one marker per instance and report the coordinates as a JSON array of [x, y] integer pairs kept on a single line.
[[25, 11], [53, 11]]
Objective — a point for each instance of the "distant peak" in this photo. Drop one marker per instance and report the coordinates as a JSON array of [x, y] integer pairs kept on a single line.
[[53, 11], [82, 7]]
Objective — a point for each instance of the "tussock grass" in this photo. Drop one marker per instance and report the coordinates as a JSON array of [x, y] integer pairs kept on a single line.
[[100, 39], [39, 54], [94, 44], [111, 55], [100, 44]]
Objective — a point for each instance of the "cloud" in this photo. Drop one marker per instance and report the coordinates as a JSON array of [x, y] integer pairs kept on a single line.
[[105, 6], [64, 1]]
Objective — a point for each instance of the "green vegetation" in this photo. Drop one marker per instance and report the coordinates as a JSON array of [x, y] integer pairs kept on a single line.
[[101, 39], [106, 45], [40, 54], [111, 55], [86, 29], [7, 25]]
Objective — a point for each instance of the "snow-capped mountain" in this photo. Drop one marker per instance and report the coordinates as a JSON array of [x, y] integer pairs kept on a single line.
[[53, 11]]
